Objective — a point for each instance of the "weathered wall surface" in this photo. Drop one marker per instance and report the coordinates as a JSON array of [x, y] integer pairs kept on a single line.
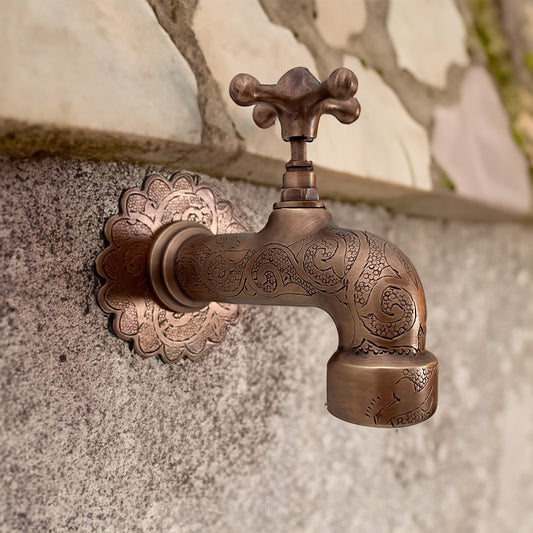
[[93, 438]]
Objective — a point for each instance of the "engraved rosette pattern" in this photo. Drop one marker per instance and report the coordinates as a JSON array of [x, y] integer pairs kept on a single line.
[[123, 264]]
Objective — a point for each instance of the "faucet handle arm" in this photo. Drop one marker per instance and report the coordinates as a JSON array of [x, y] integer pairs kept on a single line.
[[298, 100]]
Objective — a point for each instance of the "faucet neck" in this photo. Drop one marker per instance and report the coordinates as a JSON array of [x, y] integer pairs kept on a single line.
[[299, 180]]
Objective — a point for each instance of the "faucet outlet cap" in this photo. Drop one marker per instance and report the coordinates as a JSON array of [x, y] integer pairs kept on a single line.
[[378, 391]]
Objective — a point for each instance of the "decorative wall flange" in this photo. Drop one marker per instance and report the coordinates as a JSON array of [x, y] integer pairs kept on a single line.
[[154, 328]]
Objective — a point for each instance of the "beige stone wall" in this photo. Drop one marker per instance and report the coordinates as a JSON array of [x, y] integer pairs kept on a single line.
[[446, 123], [93, 438]]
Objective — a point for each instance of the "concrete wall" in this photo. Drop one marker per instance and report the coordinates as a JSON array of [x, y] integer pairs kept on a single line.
[[94, 438]]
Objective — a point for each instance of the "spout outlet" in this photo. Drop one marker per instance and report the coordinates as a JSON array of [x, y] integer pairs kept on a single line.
[[382, 392]]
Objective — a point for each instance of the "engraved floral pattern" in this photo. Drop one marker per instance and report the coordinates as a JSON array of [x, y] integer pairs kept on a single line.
[[375, 282], [126, 292], [368, 286]]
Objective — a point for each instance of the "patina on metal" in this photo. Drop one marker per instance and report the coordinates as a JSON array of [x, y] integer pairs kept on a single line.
[[381, 374]]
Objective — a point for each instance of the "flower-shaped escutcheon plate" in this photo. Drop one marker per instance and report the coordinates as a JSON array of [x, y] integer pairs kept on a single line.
[[126, 293]]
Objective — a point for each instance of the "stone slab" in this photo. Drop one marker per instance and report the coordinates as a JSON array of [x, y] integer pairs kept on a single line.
[[243, 32], [338, 21], [96, 65], [472, 142], [241, 38], [385, 143], [428, 37]]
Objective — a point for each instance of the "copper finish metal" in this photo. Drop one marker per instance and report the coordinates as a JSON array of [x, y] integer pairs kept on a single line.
[[381, 374], [298, 100], [148, 217], [162, 251]]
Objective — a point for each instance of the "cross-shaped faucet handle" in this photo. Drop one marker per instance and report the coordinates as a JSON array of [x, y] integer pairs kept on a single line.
[[298, 100]]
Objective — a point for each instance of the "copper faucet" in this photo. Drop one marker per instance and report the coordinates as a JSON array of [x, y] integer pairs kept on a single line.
[[381, 374]]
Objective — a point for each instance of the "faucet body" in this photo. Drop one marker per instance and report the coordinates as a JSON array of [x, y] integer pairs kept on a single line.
[[178, 262], [381, 375]]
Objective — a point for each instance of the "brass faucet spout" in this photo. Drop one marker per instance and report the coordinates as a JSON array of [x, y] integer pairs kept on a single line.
[[381, 374]]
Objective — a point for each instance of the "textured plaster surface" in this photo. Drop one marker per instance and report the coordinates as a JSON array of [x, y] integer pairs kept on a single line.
[[428, 36], [98, 65], [95, 438], [472, 142]]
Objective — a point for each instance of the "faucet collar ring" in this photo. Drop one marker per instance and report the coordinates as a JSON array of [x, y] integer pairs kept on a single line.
[[161, 265]]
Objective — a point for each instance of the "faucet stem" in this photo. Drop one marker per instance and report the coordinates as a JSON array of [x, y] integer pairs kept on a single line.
[[299, 181]]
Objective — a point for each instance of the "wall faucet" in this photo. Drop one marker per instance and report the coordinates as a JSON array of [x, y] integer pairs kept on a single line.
[[381, 374]]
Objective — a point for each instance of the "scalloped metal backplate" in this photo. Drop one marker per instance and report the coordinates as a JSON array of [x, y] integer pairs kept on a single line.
[[127, 293]]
